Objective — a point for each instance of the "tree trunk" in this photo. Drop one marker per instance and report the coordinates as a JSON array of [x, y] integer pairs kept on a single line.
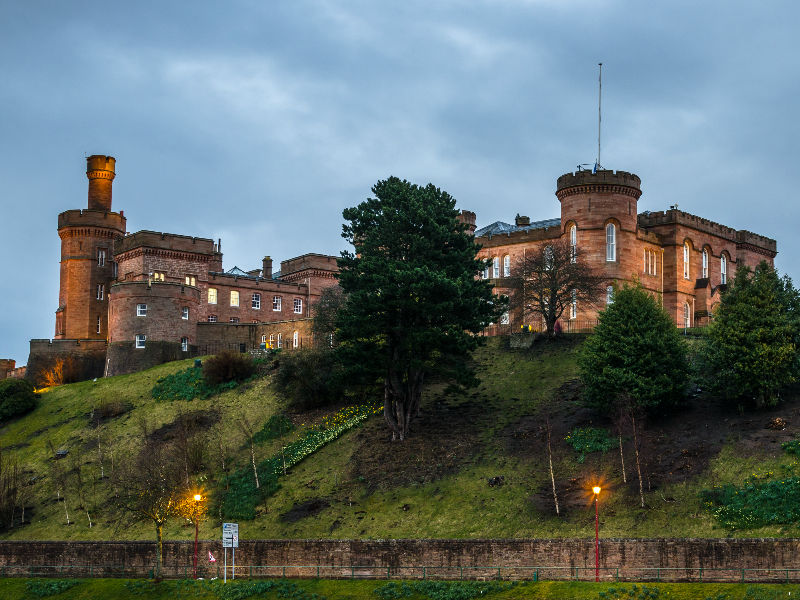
[[638, 466], [622, 459], [253, 460], [552, 476], [160, 551]]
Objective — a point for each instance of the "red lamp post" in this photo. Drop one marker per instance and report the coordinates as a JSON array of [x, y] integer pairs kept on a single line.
[[596, 490], [197, 498]]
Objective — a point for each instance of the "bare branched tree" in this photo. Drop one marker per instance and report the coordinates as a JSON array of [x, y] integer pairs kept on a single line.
[[547, 279], [246, 427]]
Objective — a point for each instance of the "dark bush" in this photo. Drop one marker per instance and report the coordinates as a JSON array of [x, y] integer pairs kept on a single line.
[[108, 409], [16, 398], [310, 378], [228, 366]]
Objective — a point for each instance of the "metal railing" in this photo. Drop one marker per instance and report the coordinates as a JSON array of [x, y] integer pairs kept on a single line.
[[481, 573]]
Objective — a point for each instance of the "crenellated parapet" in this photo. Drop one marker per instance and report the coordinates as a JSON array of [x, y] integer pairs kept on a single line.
[[603, 181]]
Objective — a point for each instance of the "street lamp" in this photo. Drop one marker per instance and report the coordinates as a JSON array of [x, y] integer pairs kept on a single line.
[[197, 499], [596, 490]]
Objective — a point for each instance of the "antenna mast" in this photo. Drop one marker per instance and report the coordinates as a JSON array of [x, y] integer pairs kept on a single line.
[[599, 113]]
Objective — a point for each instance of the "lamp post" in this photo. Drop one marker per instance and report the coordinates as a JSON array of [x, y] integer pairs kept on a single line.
[[197, 498], [596, 490]]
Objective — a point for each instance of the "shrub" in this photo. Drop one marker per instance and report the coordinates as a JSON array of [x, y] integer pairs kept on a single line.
[[310, 378], [42, 588], [635, 356], [228, 366], [755, 504], [440, 590], [187, 385], [16, 398], [792, 446], [585, 440]]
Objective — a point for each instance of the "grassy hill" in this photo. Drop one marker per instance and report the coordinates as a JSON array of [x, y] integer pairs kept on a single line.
[[436, 484]]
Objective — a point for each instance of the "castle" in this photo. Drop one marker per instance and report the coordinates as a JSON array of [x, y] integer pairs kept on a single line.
[[131, 301], [684, 259]]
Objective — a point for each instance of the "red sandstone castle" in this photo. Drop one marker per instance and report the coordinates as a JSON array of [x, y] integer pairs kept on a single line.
[[136, 300], [684, 259], [130, 301]]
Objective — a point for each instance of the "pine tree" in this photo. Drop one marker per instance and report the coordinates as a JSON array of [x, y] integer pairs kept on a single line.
[[752, 342], [635, 359]]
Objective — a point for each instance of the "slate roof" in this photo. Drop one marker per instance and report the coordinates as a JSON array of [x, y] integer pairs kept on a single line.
[[499, 227]]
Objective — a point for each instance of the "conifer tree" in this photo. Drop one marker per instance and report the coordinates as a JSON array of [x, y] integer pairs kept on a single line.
[[635, 359], [414, 303], [751, 352]]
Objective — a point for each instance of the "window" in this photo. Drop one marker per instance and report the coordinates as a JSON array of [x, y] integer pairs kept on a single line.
[[212, 318], [705, 263], [101, 257], [610, 294], [212, 295], [190, 280], [276, 303], [114, 268], [271, 340], [506, 266], [185, 344], [723, 269], [295, 340], [687, 315], [495, 267], [573, 243], [101, 290], [280, 340], [611, 242], [573, 305], [234, 320], [141, 310], [548, 258], [185, 313], [645, 254], [140, 340], [686, 260], [99, 322], [298, 306], [234, 298], [486, 271], [159, 276], [256, 303], [264, 339], [504, 320]]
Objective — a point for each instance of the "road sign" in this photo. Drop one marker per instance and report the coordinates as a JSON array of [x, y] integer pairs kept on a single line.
[[230, 535]]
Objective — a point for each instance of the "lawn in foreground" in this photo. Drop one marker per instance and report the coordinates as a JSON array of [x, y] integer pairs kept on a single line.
[[123, 589]]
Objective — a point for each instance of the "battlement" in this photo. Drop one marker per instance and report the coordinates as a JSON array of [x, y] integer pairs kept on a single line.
[[166, 241], [317, 262], [605, 179], [92, 218], [679, 217]]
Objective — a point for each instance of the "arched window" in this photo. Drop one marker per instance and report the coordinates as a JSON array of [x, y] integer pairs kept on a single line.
[[723, 269], [686, 260], [280, 340], [271, 340], [611, 243], [687, 315], [506, 266], [610, 294], [486, 271], [504, 318], [573, 305], [573, 243], [295, 340], [264, 339], [705, 263], [495, 267]]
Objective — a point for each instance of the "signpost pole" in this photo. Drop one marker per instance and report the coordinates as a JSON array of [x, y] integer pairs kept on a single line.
[[225, 569], [233, 552]]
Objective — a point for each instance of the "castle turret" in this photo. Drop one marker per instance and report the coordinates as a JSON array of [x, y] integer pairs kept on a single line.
[[599, 212], [100, 171], [87, 257]]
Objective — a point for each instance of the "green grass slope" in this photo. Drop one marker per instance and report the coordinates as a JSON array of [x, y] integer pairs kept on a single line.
[[434, 485]]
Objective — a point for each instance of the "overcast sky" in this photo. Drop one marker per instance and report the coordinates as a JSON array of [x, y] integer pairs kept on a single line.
[[259, 121]]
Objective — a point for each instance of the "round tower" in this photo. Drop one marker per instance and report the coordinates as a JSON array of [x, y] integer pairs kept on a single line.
[[599, 212], [87, 257]]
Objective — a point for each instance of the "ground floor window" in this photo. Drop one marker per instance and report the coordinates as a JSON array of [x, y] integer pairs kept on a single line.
[[140, 340]]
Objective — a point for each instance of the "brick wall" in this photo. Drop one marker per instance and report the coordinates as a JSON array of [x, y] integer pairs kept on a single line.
[[630, 556]]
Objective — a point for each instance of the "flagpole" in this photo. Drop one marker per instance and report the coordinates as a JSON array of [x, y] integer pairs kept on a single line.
[[599, 110]]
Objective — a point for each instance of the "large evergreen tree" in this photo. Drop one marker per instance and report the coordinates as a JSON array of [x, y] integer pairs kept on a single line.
[[752, 343], [414, 303], [635, 359]]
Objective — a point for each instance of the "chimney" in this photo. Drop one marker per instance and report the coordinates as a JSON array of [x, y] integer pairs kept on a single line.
[[100, 171], [266, 271], [522, 221]]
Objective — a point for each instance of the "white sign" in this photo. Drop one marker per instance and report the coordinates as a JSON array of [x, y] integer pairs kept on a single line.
[[230, 535]]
